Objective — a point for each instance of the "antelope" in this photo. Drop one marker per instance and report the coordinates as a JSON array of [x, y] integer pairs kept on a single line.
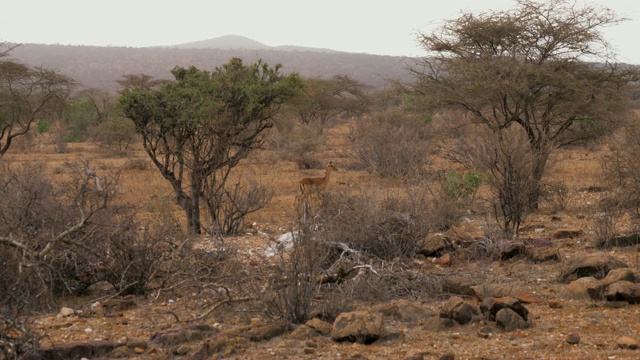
[[307, 185]]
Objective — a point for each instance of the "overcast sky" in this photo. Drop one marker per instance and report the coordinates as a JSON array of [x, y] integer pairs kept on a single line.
[[366, 26]]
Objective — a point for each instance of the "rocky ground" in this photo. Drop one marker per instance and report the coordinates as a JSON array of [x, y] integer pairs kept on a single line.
[[553, 294], [578, 304]]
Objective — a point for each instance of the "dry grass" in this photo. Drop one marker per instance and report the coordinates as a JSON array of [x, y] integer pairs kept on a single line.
[[578, 169]]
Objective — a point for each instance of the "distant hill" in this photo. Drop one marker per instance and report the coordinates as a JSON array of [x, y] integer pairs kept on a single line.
[[101, 67], [224, 42], [238, 42]]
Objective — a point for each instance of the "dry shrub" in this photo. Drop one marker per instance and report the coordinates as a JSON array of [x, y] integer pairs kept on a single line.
[[294, 282], [621, 168], [297, 143], [392, 143], [136, 164], [228, 203], [379, 224], [114, 135], [510, 168]]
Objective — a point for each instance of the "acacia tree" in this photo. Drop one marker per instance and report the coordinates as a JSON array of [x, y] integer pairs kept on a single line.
[[27, 94], [325, 99], [543, 68], [203, 124]]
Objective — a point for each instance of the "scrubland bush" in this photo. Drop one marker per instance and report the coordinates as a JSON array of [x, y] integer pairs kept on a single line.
[[462, 186], [621, 168], [136, 164], [295, 282], [114, 134], [296, 143], [392, 143], [57, 240], [228, 203], [378, 225], [509, 167]]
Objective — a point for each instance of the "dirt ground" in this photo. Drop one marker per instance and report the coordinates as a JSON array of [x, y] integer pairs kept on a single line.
[[597, 323]]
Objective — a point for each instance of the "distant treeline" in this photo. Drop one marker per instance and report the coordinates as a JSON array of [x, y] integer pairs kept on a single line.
[[101, 67]]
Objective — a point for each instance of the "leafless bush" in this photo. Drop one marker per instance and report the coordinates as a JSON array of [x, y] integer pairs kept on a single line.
[[393, 143], [114, 135], [229, 204], [605, 223], [557, 195], [381, 225], [36, 219], [295, 280], [621, 168], [294, 142], [510, 169]]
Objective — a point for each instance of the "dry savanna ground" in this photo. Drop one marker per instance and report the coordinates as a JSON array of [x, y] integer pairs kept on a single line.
[[554, 315]]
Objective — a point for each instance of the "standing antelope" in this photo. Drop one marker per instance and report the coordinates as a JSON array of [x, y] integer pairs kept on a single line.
[[319, 184]]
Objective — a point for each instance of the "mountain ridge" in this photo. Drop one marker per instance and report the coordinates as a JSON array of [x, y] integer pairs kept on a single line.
[[239, 42], [101, 67]]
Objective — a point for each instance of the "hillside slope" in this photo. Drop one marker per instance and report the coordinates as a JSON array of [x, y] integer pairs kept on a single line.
[[101, 67]]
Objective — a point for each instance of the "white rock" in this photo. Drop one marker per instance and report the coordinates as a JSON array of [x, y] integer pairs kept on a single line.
[[65, 311]]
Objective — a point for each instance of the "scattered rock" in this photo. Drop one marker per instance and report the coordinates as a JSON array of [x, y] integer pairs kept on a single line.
[[573, 338], [457, 309], [625, 342], [304, 332], [408, 311], [597, 288], [623, 290], [509, 320], [320, 326], [65, 311], [496, 290], [490, 307], [527, 297], [580, 288], [359, 326], [458, 285], [434, 245], [595, 265]]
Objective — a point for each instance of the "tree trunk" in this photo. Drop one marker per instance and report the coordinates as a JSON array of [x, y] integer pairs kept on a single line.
[[540, 163], [192, 212]]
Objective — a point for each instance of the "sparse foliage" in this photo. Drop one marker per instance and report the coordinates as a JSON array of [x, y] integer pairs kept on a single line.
[[202, 125], [392, 143], [28, 94], [542, 72], [325, 99]]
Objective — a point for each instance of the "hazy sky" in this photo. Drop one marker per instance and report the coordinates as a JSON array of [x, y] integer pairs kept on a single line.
[[369, 26]]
